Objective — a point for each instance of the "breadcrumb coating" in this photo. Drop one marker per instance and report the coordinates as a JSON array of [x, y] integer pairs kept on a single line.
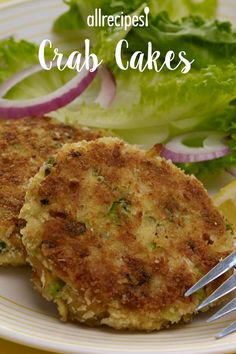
[[116, 237], [24, 145]]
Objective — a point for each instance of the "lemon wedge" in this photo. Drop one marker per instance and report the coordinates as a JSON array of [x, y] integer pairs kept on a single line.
[[225, 201]]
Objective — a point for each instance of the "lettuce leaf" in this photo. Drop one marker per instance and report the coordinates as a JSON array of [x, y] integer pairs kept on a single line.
[[15, 56], [76, 16], [143, 99], [149, 107], [145, 137], [206, 41], [145, 109], [225, 123], [182, 8], [148, 100]]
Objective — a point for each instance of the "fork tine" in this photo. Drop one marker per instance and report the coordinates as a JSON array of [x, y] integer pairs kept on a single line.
[[228, 308], [227, 330], [221, 268], [228, 286]]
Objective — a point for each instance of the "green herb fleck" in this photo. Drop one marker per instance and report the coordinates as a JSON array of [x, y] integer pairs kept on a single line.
[[118, 209], [56, 287], [49, 164], [97, 175], [152, 246], [3, 246], [229, 227]]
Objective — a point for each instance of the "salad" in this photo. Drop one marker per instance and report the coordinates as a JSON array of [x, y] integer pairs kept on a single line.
[[192, 116]]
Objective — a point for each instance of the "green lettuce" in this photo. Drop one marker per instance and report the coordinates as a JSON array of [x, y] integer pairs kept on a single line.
[[76, 16], [15, 56], [149, 107], [182, 8], [73, 24], [143, 99], [147, 99], [225, 123], [206, 41]]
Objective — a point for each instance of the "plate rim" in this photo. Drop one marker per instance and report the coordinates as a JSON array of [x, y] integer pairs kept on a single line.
[[33, 342], [12, 3]]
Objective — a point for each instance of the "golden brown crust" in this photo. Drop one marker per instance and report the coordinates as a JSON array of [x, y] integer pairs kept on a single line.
[[132, 230], [25, 144]]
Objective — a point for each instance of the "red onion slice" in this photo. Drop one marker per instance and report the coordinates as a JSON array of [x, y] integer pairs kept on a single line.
[[108, 87], [14, 109], [10, 109], [20, 76], [213, 148]]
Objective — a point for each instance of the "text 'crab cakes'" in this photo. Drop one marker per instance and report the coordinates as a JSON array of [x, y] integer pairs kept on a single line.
[[116, 237], [24, 145]]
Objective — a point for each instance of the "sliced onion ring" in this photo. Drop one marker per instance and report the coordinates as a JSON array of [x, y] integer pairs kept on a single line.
[[108, 87], [105, 97], [17, 78], [213, 148], [14, 109], [20, 76]]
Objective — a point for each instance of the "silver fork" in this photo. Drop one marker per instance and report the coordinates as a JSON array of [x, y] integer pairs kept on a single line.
[[227, 287]]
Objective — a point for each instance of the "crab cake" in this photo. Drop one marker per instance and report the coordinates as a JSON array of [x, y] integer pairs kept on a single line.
[[24, 146], [115, 237]]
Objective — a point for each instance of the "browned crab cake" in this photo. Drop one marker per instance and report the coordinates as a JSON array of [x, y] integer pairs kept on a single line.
[[24, 145], [116, 237]]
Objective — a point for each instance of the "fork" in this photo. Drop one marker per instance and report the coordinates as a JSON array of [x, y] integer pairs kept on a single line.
[[227, 287]]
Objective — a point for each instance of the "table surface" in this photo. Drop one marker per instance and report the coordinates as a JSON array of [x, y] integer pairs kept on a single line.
[[12, 348]]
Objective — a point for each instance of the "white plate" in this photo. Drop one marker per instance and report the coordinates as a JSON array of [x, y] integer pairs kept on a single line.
[[25, 317]]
